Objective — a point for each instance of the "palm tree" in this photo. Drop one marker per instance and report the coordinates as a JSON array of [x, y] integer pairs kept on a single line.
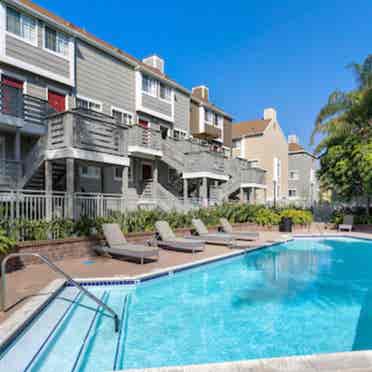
[[331, 119]]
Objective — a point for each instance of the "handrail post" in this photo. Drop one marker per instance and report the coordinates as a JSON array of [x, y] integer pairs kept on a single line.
[[55, 268]]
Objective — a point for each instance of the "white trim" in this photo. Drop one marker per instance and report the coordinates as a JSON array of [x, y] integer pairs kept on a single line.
[[255, 185], [144, 150], [138, 89], [123, 112], [155, 114], [97, 157], [201, 119], [297, 178], [188, 175], [292, 197], [2, 28], [36, 70], [148, 94], [78, 96], [43, 41]]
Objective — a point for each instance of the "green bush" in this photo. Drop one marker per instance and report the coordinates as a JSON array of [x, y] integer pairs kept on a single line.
[[6, 242], [144, 221], [299, 217], [267, 217]]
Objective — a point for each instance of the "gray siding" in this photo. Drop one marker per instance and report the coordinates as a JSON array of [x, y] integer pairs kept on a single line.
[[302, 163], [182, 111], [36, 56], [103, 78], [156, 105]]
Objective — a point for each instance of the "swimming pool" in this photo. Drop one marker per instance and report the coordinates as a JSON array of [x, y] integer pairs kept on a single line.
[[303, 297]]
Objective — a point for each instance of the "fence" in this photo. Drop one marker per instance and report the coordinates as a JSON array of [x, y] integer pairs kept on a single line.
[[39, 205]]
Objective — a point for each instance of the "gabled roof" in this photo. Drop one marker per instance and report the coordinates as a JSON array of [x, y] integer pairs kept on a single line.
[[65, 25], [295, 147], [249, 128]]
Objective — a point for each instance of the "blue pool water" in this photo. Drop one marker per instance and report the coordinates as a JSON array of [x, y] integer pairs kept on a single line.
[[303, 297]]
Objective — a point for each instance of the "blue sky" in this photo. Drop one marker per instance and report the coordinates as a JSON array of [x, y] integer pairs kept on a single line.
[[252, 54]]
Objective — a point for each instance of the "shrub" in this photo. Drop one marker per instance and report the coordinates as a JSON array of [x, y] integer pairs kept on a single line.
[[267, 217], [299, 217], [6, 242]]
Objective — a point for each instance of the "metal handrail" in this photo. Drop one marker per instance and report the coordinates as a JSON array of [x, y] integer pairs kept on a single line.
[[59, 271]]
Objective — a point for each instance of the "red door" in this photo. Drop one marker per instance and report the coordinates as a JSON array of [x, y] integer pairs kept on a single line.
[[57, 101], [12, 96], [143, 123]]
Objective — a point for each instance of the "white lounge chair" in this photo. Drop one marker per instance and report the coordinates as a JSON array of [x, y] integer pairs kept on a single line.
[[239, 235], [168, 240], [117, 245], [347, 223]]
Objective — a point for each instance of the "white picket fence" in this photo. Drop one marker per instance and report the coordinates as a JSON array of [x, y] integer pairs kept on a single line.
[[39, 205]]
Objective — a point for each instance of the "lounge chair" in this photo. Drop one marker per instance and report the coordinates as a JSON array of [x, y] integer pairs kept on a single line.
[[347, 223], [239, 235], [212, 238], [168, 240], [117, 245]]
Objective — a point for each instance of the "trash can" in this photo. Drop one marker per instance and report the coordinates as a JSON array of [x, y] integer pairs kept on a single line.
[[285, 224]]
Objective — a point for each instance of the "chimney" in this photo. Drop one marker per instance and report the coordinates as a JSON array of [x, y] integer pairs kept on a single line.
[[292, 138], [155, 61], [201, 92], [270, 114]]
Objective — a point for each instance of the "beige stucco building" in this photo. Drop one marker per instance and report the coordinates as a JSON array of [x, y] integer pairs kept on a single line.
[[263, 142]]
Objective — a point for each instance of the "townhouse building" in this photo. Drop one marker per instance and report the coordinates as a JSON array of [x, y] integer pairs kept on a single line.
[[80, 117], [303, 185], [263, 143]]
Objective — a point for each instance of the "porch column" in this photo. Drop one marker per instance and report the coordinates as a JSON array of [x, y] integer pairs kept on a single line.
[[204, 192], [70, 179], [252, 195], [241, 195], [155, 176], [185, 191], [124, 188], [48, 189], [17, 152]]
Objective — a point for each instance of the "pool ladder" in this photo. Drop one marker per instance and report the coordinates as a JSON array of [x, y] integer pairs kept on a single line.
[[59, 271]]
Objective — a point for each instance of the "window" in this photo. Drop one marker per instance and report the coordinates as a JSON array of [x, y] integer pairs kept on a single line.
[[88, 104], [149, 85], [209, 116], [122, 117], [179, 134], [219, 121], [236, 144], [56, 41], [292, 193], [293, 175], [165, 92], [21, 25], [89, 171]]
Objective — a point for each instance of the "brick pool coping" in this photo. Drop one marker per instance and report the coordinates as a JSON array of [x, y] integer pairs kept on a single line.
[[344, 361]]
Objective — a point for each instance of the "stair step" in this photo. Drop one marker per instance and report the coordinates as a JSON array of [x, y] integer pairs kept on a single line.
[[19, 354]]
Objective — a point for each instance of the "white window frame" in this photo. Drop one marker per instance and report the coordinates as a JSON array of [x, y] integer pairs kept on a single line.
[[90, 100], [166, 87], [19, 37], [125, 112], [182, 132], [210, 122], [155, 85], [290, 196], [296, 177], [68, 38], [90, 175]]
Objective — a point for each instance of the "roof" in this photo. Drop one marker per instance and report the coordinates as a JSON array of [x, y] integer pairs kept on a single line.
[[249, 128], [295, 147], [29, 5]]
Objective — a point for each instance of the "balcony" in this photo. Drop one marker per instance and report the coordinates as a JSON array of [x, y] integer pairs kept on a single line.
[[209, 132], [241, 169], [144, 141], [87, 135], [17, 108], [201, 164]]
